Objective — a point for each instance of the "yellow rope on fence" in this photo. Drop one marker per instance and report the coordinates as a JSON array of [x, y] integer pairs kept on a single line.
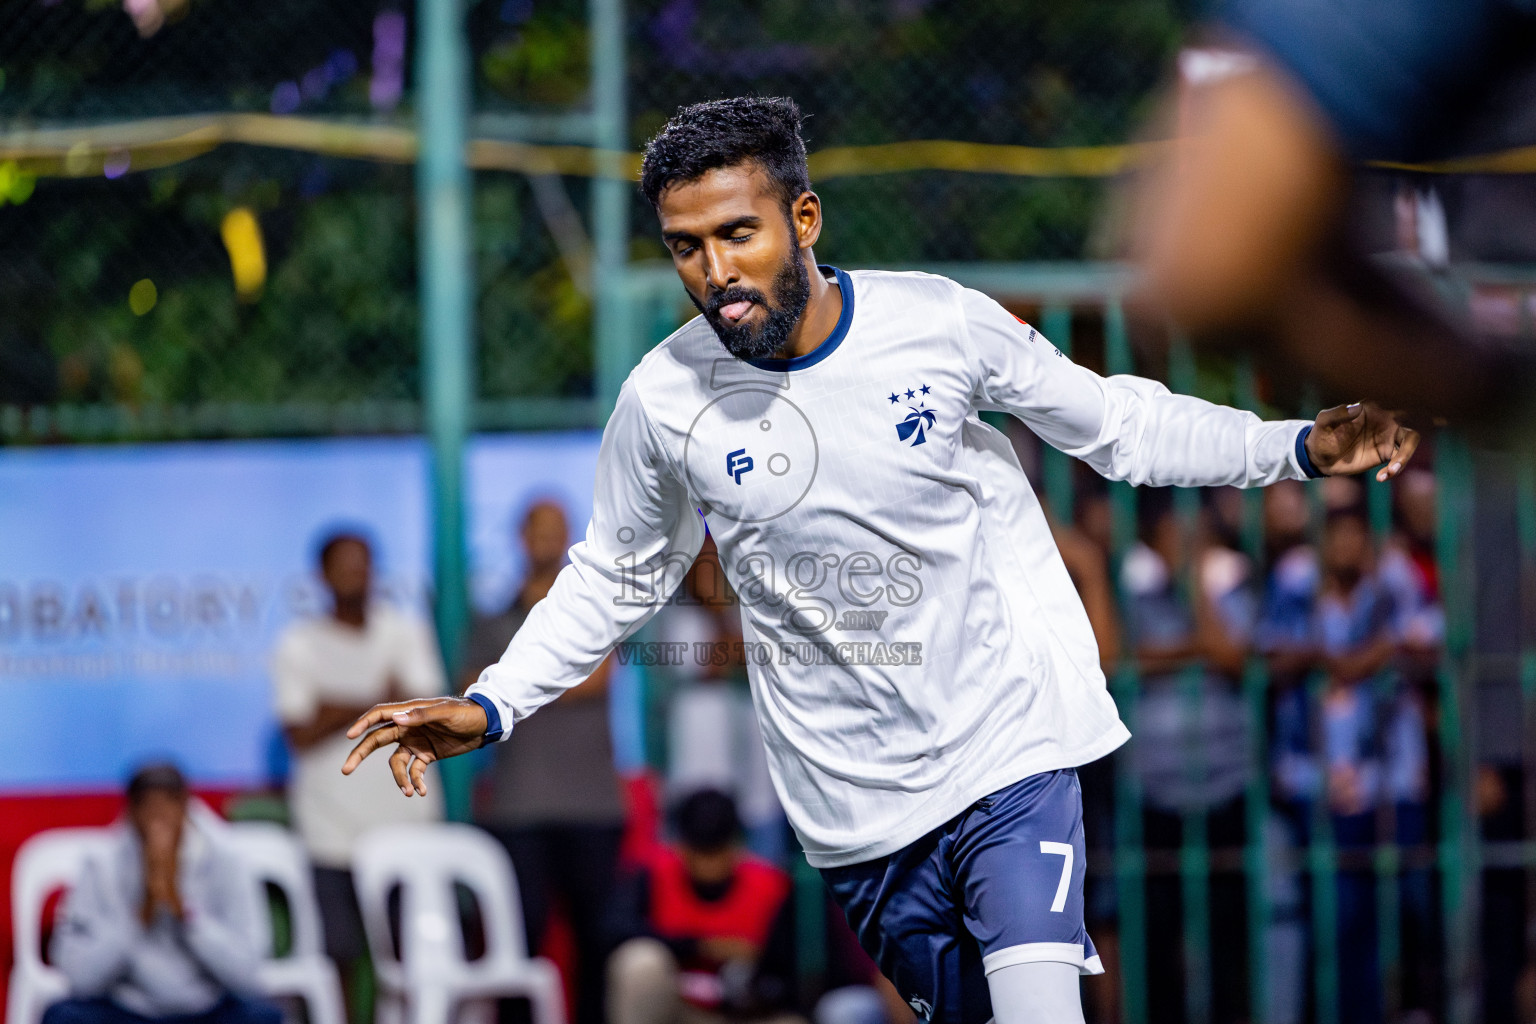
[[978, 158], [1521, 160], [159, 142]]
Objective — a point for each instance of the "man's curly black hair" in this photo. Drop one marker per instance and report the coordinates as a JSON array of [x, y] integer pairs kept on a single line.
[[723, 133]]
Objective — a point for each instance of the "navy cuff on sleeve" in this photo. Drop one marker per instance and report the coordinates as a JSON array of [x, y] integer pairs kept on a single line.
[[1301, 454], [492, 717]]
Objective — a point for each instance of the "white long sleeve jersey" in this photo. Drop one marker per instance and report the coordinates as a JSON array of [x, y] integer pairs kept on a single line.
[[914, 641]]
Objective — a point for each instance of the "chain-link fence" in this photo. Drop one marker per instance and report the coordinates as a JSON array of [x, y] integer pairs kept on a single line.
[[196, 273], [1032, 74]]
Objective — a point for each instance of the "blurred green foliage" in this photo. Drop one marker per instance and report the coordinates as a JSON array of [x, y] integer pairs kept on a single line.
[[535, 325], [336, 321], [543, 63], [337, 318]]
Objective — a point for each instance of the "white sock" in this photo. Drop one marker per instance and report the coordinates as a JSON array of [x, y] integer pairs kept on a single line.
[[1041, 992]]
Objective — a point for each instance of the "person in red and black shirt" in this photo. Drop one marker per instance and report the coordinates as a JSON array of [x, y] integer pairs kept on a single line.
[[699, 915]]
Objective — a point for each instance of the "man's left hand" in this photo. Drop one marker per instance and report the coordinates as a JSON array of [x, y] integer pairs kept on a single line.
[[423, 731], [1353, 438]]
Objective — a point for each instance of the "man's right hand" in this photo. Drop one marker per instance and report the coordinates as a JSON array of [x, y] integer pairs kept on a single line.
[[423, 731]]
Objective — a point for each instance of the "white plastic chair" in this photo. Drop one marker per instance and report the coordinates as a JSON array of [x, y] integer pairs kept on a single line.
[[46, 863], [432, 977], [272, 854]]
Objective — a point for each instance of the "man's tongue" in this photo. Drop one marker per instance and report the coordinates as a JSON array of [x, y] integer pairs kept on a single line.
[[735, 310]]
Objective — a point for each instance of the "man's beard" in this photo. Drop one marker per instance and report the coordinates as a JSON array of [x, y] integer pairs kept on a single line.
[[791, 291]]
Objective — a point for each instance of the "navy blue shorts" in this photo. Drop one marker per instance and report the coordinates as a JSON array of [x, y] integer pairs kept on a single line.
[[1000, 884]]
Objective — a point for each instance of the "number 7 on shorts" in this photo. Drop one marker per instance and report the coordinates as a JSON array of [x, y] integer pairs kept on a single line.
[[1063, 850]]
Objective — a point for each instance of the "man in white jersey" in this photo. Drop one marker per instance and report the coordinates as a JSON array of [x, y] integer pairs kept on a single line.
[[924, 672]]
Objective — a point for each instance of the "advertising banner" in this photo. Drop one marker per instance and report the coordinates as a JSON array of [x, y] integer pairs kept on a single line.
[[142, 587]]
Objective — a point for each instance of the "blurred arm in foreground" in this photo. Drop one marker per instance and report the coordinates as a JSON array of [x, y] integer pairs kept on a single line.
[[1243, 229]]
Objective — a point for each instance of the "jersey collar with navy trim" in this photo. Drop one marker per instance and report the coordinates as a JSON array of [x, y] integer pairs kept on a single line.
[[829, 345]]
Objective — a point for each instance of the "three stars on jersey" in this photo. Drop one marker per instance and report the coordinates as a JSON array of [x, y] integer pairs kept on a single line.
[[919, 417]]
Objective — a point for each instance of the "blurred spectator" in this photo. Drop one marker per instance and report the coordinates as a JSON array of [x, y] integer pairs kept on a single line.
[[162, 927], [1409, 570], [552, 795], [699, 917], [1356, 640], [1085, 550], [1284, 631], [1192, 742], [1366, 757], [1182, 634], [1284, 636], [713, 740], [1358, 631], [327, 671], [1084, 547]]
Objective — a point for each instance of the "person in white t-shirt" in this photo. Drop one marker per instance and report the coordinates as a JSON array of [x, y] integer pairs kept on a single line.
[[325, 671], [924, 673]]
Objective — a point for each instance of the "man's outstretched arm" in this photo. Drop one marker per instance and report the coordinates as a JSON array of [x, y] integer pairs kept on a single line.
[[644, 535], [1134, 429]]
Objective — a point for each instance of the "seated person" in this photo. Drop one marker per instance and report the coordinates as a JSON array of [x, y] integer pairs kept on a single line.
[[700, 914], [164, 926]]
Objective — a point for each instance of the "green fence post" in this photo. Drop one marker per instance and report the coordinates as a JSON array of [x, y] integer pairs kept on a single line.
[[1322, 863], [1194, 840], [1256, 797], [444, 255], [810, 924], [1323, 867], [1387, 859], [613, 312], [1525, 518], [1130, 853], [1056, 466], [1458, 869]]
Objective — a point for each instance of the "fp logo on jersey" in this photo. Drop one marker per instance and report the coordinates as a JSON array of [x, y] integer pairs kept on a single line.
[[770, 481], [737, 463]]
